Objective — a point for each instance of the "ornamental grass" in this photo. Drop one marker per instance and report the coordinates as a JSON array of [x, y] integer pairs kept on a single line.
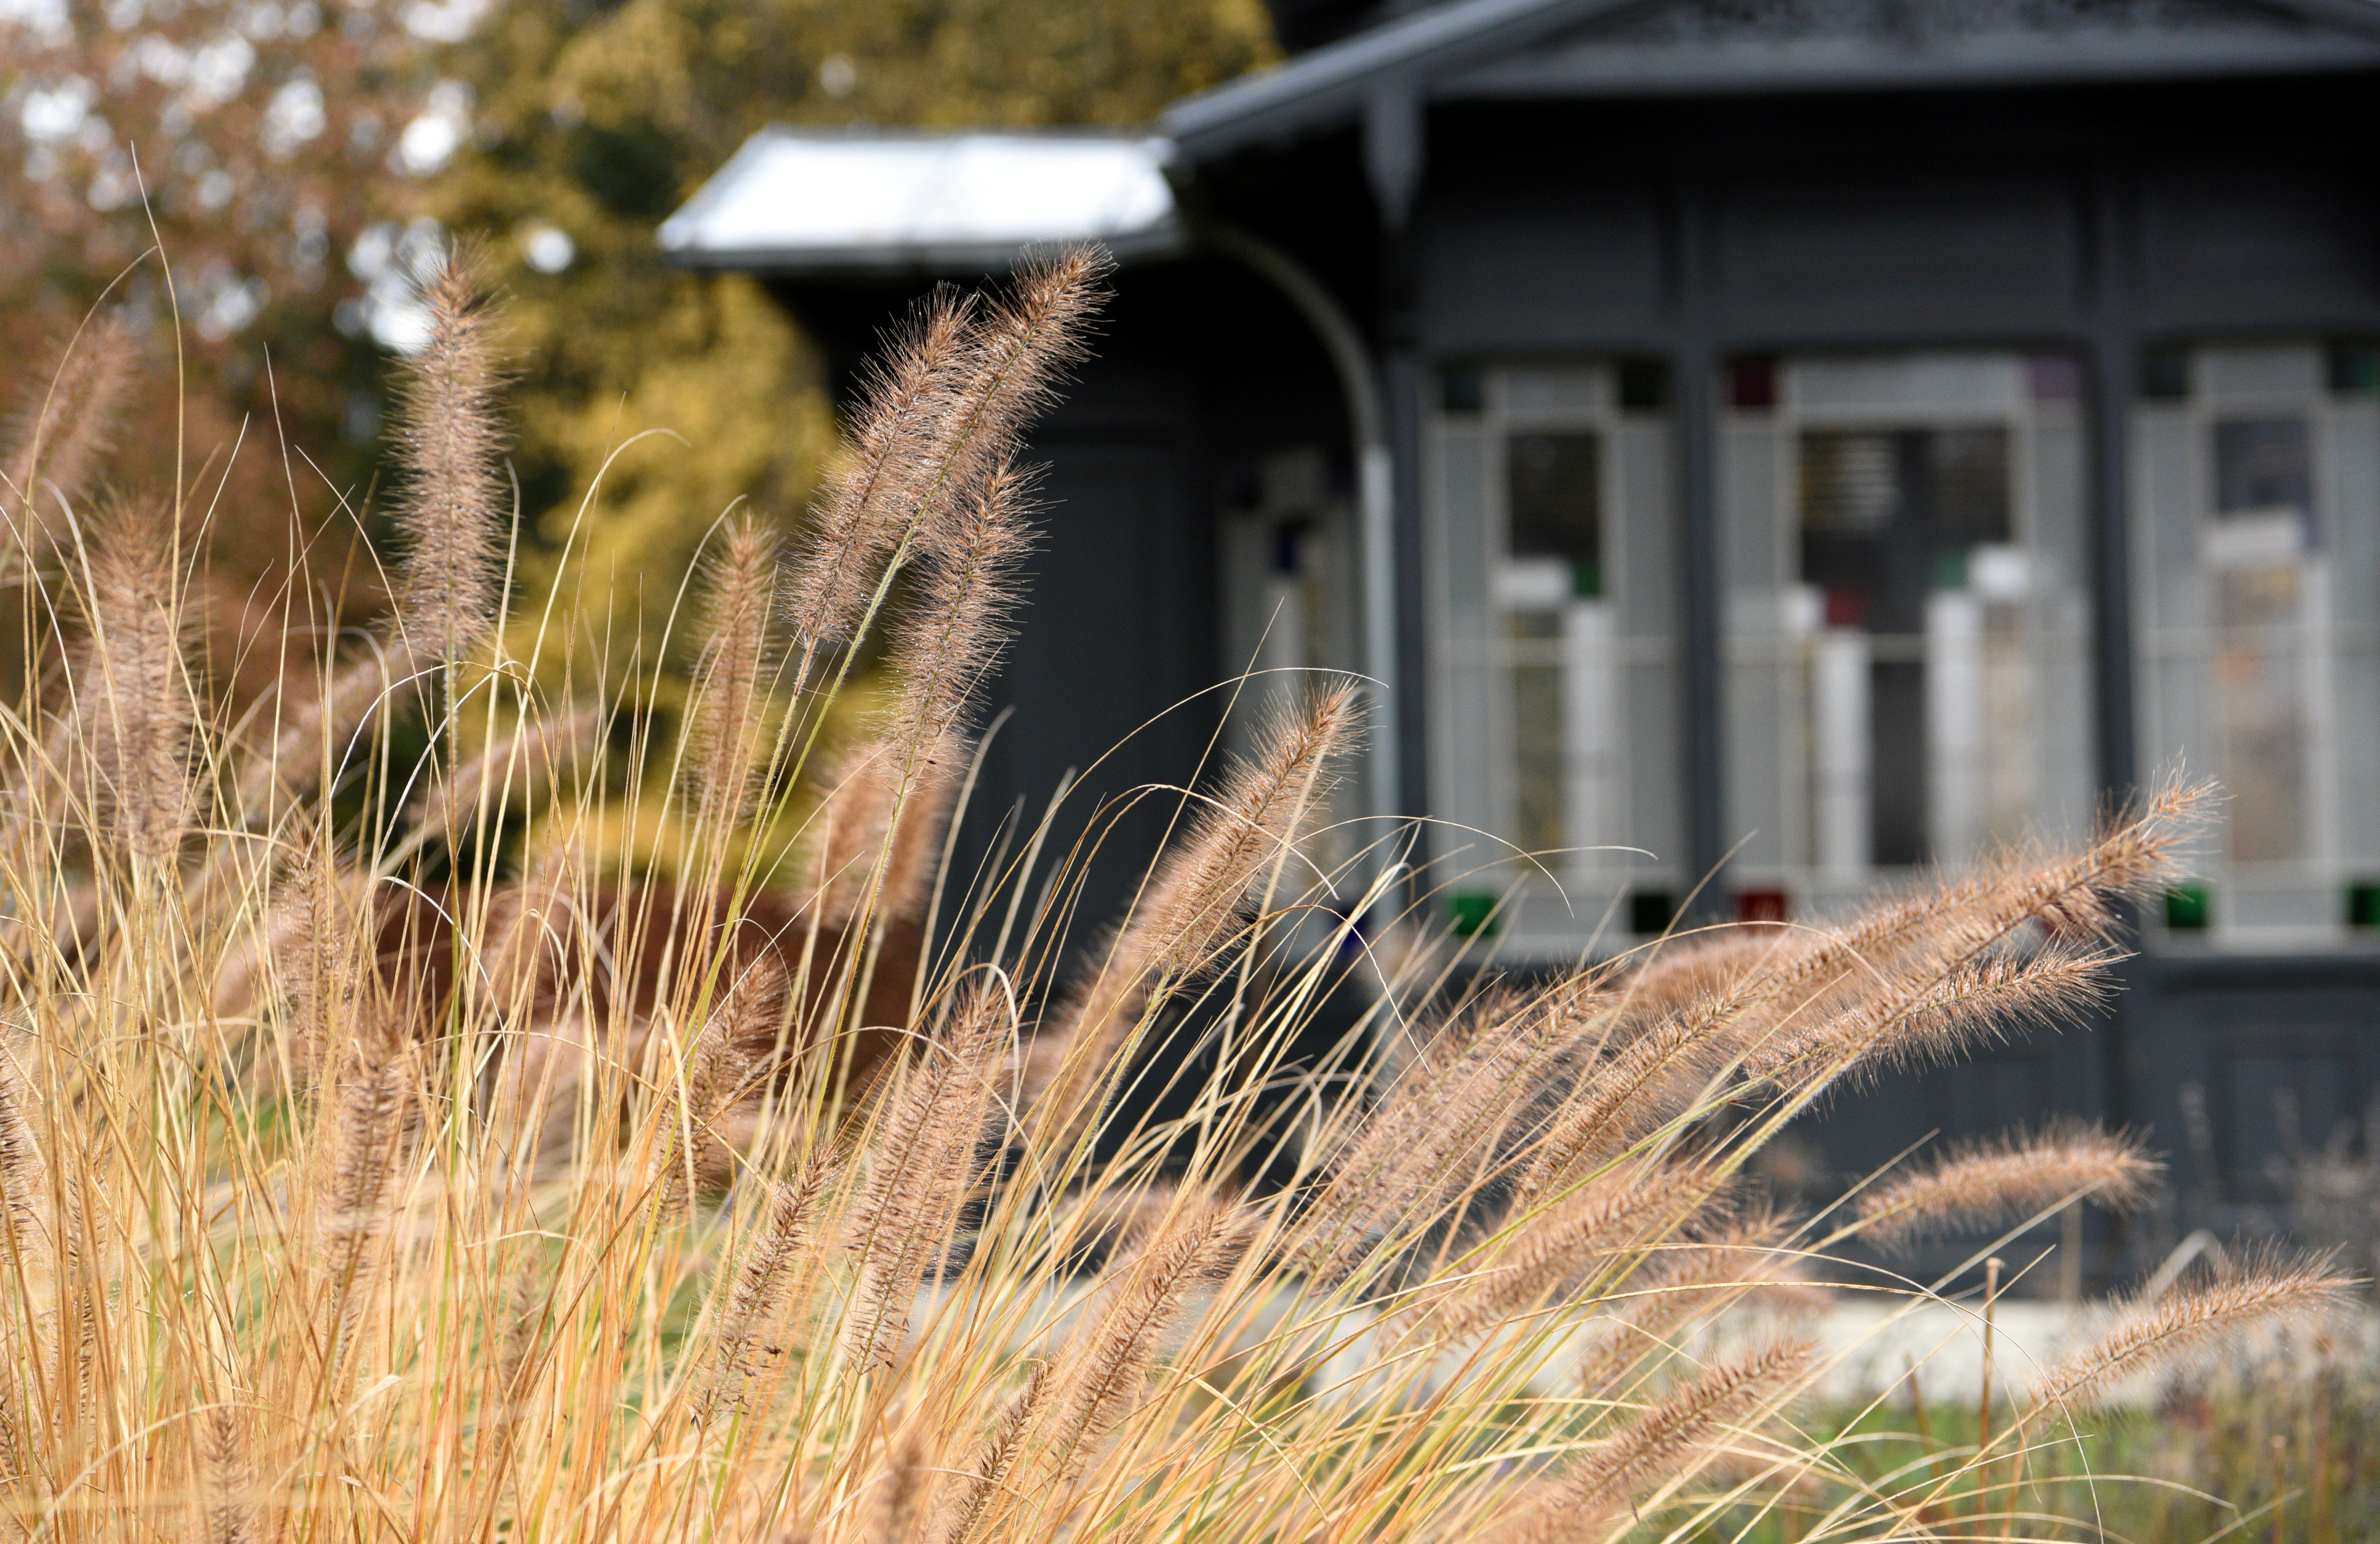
[[382, 1158]]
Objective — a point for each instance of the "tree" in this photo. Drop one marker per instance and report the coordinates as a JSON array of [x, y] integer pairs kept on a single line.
[[596, 122], [255, 142], [298, 159]]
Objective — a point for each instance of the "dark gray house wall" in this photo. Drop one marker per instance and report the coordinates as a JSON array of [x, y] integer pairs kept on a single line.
[[1674, 202], [2105, 220]]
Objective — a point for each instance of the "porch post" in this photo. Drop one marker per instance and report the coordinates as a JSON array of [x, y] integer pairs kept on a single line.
[[1395, 151], [2115, 360], [1693, 371]]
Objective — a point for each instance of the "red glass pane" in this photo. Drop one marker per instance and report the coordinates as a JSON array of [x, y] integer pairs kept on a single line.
[[1752, 383], [1760, 906]]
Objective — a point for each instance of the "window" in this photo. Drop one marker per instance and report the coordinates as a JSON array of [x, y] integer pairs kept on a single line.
[[1292, 613], [2256, 509], [1907, 679], [1553, 590]]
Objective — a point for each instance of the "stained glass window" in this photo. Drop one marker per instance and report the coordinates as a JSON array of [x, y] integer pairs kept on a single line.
[[2256, 511], [1553, 705], [1907, 683], [1906, 539]]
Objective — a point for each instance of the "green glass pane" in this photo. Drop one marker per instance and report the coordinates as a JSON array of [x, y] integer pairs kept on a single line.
[[1472, 915], [2188, 909], [2164, 373], [2354, 369]]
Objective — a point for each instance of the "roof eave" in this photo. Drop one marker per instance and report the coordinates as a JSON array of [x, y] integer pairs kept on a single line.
[[1331, 83], [1815, 70], [1328, 87]]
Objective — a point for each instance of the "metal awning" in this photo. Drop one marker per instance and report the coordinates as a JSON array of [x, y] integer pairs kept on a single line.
[[800, 202]]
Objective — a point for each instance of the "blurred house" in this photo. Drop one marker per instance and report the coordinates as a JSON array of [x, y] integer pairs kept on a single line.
[[1803, 441]]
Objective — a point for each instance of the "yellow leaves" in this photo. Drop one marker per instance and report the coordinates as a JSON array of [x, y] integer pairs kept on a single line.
[[641, 59], [716, 404]]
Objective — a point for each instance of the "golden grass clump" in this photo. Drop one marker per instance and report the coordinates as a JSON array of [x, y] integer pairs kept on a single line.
[[381, 1161]]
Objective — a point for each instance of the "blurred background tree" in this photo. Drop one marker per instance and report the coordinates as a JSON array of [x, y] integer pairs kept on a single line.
[[265, 137], [293, 155], [298, 158], [596, 122]]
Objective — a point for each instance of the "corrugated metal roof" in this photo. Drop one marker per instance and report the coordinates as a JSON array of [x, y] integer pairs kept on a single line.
[[793, 201]]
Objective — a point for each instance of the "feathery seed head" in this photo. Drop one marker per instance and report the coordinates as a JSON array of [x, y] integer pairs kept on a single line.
[[1668, 1439], [1435, 1136], [449, 506], [1898, 1023], [744, 1346], [2190, 1321], [746, 1016], [62, 432], [1192, 907], [905, 398], [1024, 349], [133, 697], [1603, 1222], [957, 625], [732, 677], [225, 1476], [1196, 903], [362, 1142], [24, 1177], [1993, 1182], [1683, 1283], [925, 1159], [1628, 1092], [973, 1494], [877, 825], [1103, 1375], [937, 426]]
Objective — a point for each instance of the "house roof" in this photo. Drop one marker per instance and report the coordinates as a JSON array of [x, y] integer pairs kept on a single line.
[[816, 202], [1571, 48], [795, 201]]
